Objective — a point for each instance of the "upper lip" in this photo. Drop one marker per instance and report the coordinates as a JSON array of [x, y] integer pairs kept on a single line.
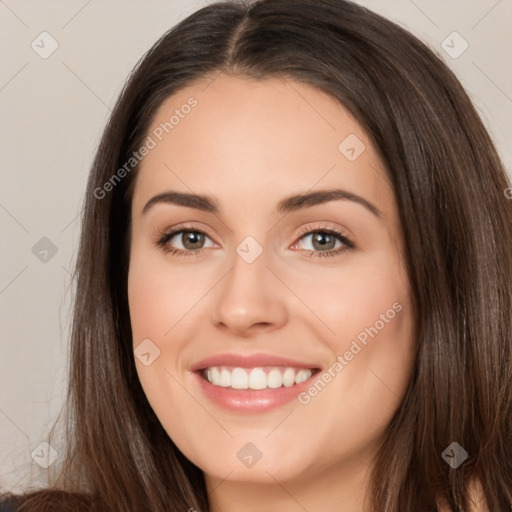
[[249, 361]]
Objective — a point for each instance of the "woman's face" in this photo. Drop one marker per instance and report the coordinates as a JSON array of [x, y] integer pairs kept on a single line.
[[270, 278]]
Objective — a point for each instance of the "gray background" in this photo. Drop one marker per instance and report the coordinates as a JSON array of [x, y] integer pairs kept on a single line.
[[53, 111]]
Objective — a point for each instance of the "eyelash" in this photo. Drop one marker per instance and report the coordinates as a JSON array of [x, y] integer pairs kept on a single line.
[[347, 243], [165, 237]]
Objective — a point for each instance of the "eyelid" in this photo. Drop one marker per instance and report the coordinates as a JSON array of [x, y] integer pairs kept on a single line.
[[321, 227], [184, 226]]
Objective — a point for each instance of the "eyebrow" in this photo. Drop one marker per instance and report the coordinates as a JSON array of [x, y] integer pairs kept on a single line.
[[293, 203]]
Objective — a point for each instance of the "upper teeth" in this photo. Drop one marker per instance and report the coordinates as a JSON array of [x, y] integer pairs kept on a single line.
[[256, 378]]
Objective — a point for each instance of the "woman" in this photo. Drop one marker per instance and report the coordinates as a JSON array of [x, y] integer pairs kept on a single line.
[[219, 360]]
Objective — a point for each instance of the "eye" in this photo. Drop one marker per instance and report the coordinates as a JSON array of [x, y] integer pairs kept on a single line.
[[323, 242], [191, 239]]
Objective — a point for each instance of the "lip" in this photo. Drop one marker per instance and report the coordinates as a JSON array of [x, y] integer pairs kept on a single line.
[[249, 361], [248, 400]]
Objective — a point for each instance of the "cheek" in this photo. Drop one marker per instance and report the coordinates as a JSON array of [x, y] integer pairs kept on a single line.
[[156, 301], [365, 290], [373, 298], [367, 309], [149, 299], [158, 296]]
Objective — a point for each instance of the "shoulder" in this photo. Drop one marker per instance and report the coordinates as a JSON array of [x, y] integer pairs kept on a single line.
[[47, 500], [9, 503]]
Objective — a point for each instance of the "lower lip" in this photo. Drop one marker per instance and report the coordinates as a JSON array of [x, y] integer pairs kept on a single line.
[[248, 400]]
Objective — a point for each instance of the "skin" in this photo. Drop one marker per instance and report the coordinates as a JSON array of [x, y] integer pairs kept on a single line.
[[250, 144]]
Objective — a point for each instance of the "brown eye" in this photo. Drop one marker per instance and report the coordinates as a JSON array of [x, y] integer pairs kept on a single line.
[[192, 239], [323, 241]]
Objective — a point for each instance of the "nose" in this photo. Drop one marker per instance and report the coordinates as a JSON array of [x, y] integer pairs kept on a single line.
[[250, 299]]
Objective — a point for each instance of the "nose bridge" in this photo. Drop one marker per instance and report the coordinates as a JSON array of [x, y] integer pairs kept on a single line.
[[249, 295]]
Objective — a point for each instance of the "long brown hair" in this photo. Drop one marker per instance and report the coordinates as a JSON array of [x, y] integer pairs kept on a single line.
[[457, 222]]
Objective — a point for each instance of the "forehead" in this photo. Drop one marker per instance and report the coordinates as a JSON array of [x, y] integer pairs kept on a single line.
[[250, 142]]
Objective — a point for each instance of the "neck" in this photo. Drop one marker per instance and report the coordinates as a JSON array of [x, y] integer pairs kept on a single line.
[[328, 489]]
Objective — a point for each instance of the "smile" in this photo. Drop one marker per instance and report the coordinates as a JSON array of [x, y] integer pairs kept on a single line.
[[252, 383], [267, 377]]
